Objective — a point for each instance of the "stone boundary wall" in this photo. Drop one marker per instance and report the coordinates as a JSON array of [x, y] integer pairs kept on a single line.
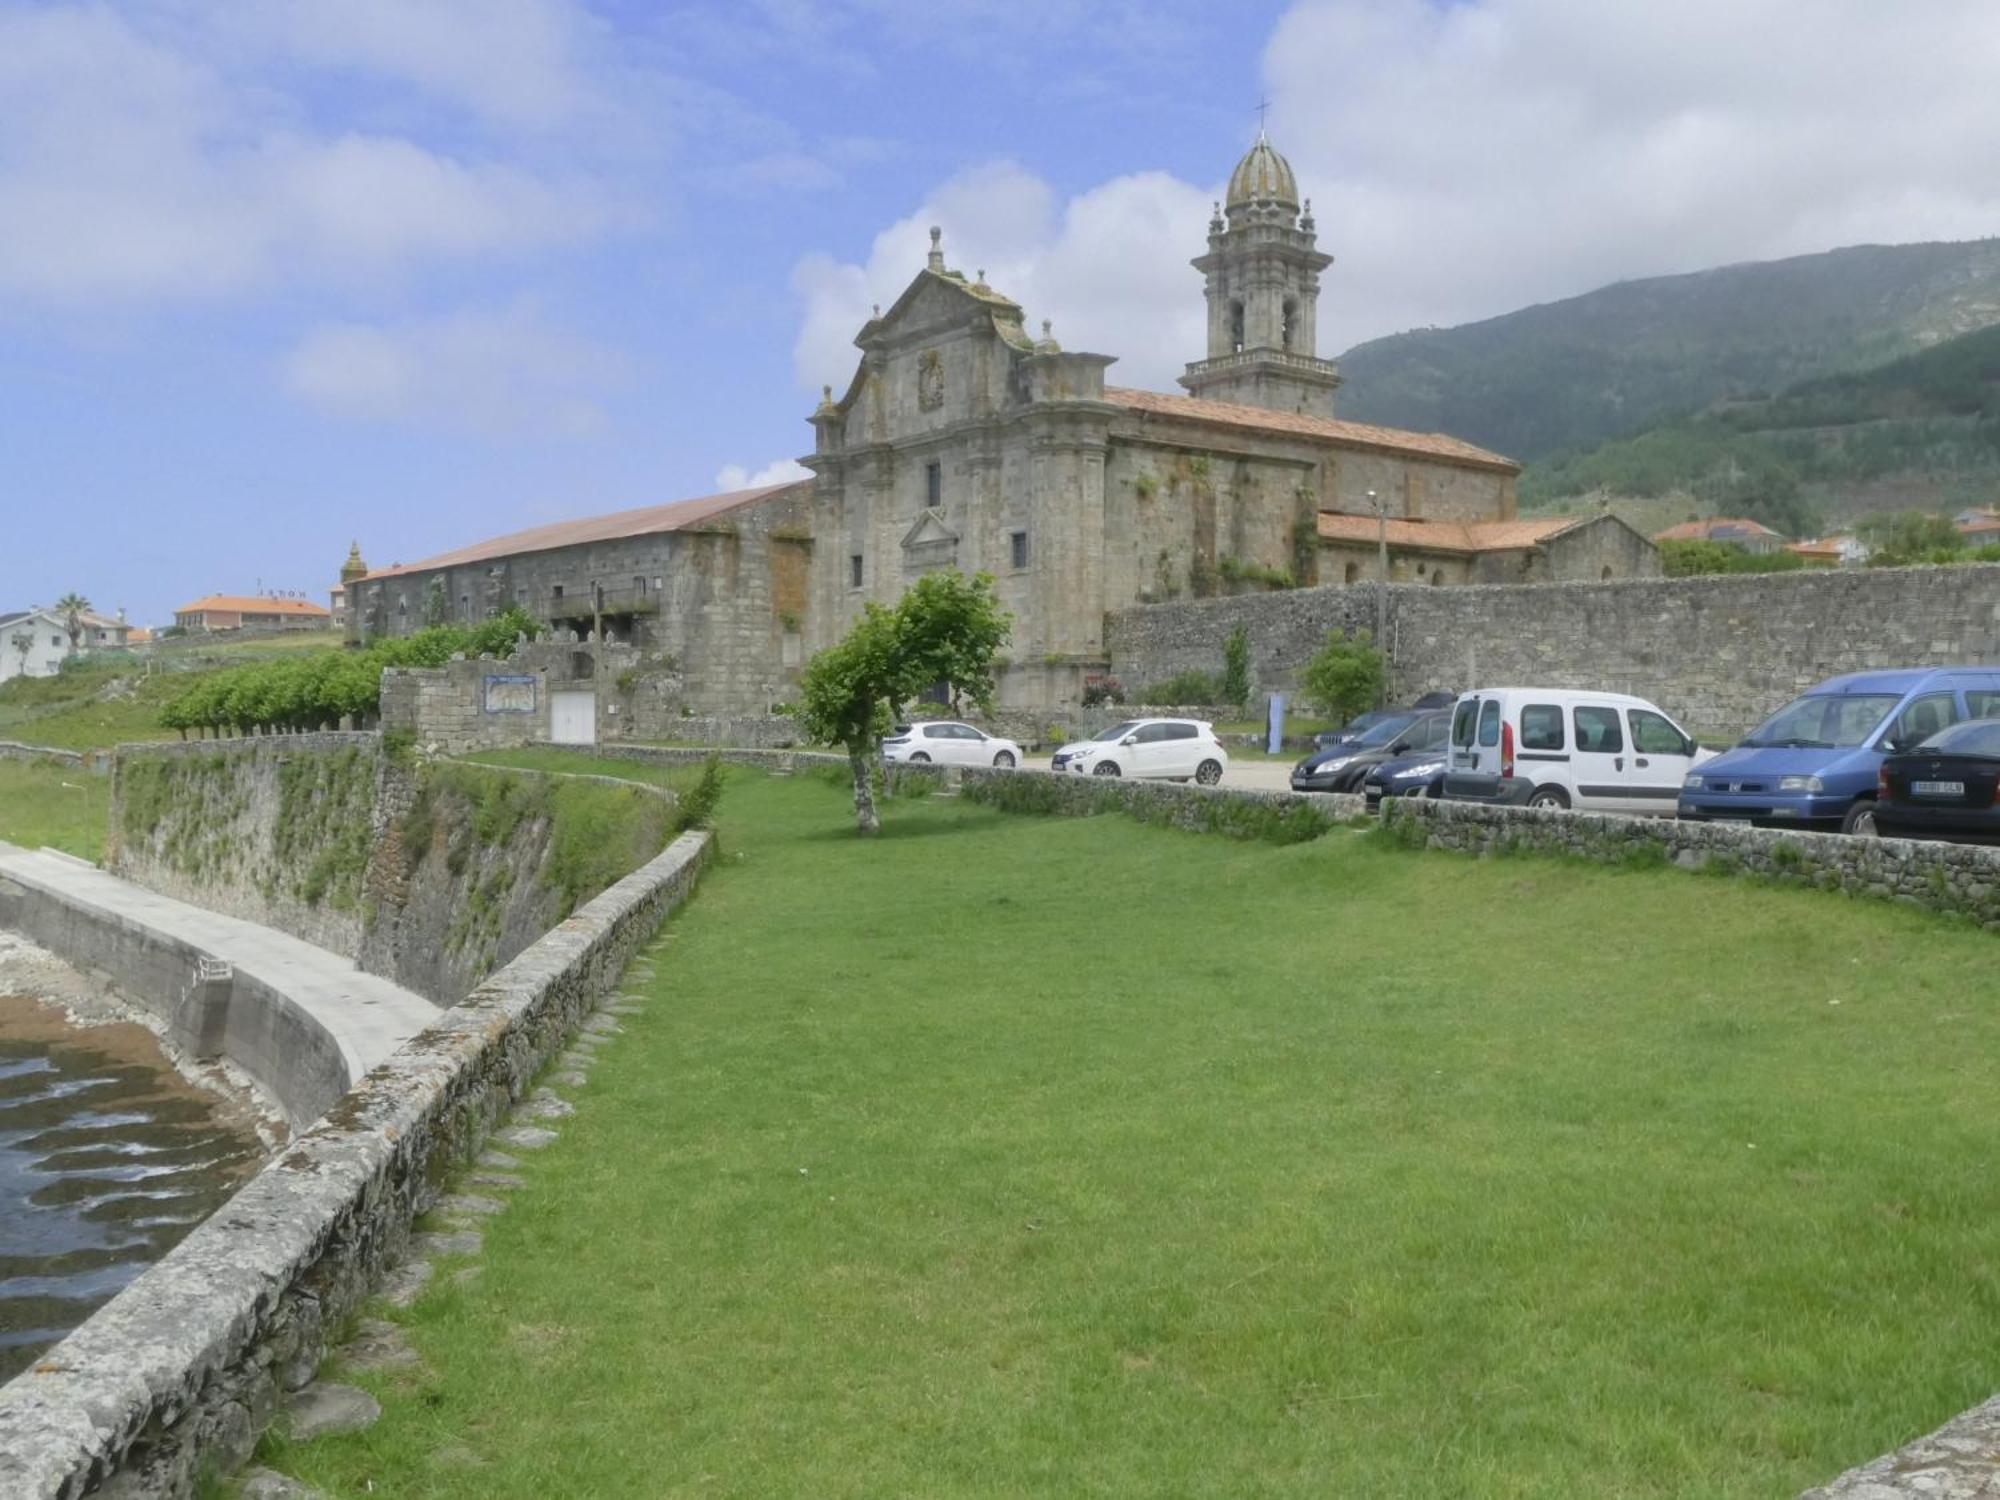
[[1282, 817], [1718, 653], [1957, 879], [184, 1367], [15, 750], [243, 888]]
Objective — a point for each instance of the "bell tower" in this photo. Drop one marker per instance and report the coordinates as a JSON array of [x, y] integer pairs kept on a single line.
[[1262, 272]]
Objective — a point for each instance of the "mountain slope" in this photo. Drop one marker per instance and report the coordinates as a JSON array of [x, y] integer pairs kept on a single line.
[[1571, 374], [1923, 429]]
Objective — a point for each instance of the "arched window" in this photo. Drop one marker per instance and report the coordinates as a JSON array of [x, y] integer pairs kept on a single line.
[[1290, 335], [1605, 576], [1437, 577], [1236, 325], [1352, 573]]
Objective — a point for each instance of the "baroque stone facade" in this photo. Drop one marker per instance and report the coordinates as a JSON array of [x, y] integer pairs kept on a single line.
[[964, 440]]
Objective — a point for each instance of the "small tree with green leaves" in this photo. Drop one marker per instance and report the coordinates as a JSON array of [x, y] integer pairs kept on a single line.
[[1236, 667], [945, 629], [1344, 677], [73, 607]]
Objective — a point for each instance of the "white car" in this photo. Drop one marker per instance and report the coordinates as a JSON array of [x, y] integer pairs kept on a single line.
[[1163, 749], [1564, 747], [949, 743]]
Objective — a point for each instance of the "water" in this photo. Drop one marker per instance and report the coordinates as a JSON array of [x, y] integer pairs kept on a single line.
[[108, 1158]]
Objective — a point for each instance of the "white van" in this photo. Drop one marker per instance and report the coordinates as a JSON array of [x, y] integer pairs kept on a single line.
[[1566, 747]]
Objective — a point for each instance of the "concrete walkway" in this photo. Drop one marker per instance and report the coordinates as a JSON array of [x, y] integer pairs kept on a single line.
[[360, 1017]]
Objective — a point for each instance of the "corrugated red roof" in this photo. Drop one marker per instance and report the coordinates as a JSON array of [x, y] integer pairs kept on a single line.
[[1702, 531], [257, 604], [676, 515], [1446, 536], [1331, 429]]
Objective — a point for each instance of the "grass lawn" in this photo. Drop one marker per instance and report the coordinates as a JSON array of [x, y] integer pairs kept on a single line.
[[54, 805], [1007, 1156]]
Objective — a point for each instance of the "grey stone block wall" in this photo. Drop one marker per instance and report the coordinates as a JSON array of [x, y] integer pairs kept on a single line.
[[1719, 654], [183, 1369]]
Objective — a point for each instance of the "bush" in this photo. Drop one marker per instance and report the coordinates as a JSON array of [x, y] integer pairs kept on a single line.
[[1102, 690], [1344, 677], [698, 803], [1192, 687], [1236, 667]]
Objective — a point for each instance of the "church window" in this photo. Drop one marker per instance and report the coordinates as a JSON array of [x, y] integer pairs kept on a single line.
[[1019, 539], [1236, 325], [1289, 339], [556, 592], [933, 485], [1352, 573], [854, 571]]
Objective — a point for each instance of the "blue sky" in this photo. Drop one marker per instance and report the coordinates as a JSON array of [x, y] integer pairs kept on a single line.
[[276, 276]]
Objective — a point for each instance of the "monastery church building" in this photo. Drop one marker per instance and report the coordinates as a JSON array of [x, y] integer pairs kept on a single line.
[[965, 441]]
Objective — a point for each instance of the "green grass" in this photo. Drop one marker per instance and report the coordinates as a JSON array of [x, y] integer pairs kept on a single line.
[[60, 806], [66, 712], [1016, 1156]]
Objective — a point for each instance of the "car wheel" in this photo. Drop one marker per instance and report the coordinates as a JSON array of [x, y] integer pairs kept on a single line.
[[1004, 760], [1209, 772], [1549, 796], [1105, 768], [919, 755], [1860, 820]]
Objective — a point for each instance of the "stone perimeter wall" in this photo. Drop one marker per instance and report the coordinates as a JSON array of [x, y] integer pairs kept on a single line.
[[1718, 653], [183, 1369]]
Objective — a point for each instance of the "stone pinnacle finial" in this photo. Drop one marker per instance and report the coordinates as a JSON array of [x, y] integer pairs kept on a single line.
[[936, 258]]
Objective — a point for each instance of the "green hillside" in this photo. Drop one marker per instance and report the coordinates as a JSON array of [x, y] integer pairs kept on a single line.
[[1923, 430], [1571, 374]]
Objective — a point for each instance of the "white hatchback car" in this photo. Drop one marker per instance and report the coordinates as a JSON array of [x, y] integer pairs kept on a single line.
[[949, 743], [1163, 749]]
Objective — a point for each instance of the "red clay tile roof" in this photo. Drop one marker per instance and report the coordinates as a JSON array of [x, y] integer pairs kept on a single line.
[[1329, 429], [1446, 536], [1702, 531], [253, 604], [673, 516]]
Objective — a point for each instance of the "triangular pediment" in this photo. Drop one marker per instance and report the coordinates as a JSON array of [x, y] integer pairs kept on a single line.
[[929, 530]]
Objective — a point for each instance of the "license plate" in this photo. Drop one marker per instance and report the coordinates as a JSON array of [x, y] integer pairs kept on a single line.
[[1937, 789]]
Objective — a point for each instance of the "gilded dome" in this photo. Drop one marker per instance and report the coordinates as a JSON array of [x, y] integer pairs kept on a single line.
[[1263, 176]]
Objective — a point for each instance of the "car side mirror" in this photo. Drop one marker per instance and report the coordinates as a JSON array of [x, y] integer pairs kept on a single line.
[[1894, 744], [1130, 739], [1401, 747], [1688, 746]]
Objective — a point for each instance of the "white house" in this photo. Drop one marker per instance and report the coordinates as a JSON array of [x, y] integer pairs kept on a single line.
[[33, 643]]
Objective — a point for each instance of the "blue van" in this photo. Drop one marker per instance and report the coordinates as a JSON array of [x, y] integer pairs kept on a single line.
[[1814, 763]]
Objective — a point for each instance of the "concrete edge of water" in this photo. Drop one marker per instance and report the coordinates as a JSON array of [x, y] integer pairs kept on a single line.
[[182, 1370]]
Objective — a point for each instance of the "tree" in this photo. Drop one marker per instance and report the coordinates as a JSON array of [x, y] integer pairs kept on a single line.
[[1236, 668], [946, 629], [73, 607], [1344, 677]]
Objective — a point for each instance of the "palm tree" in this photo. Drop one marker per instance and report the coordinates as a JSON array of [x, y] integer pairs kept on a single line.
[[73, 607]]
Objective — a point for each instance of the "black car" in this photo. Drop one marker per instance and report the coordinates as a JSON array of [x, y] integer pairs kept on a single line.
[[1360, 724], [1342, 768], [1944, 789]]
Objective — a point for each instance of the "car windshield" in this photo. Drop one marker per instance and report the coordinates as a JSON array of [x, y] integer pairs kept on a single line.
[[1385, 733], [1825, 721], [1360, 722], [1973, 737], [1117, 731]]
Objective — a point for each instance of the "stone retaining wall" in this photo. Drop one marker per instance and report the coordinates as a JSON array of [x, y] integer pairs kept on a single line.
[[1718, 653], [182, 1369], [94, 761]]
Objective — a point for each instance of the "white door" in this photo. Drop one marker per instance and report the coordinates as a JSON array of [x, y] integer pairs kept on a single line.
[[1661, 758], [1180, 752], [1598, 765], [573, 717]]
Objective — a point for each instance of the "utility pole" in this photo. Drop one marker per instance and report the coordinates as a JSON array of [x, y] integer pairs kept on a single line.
[[1382, 583]]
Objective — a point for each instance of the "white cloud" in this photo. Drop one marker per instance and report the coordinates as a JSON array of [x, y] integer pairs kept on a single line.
[[778, 471], [503, 373], [1469, 159], [131, 167], [1109, 267]]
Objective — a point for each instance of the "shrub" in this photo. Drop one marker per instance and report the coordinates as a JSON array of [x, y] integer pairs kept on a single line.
[[1185, 687], [1102, 690], [1236, 667], [1344, 677], [698, 803]]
